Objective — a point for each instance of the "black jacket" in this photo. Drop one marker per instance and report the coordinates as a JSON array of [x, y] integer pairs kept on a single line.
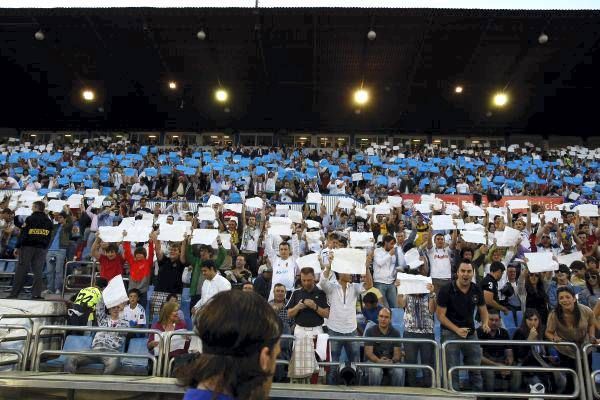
[[36, 232]]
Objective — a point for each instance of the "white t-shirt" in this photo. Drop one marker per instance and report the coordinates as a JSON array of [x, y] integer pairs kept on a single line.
[[462, 188], [284, 272], [440, 263], [250, 238], [138, 314]]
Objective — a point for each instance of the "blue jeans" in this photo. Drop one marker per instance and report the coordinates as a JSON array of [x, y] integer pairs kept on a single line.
[[471, 354], [412, 351], [352, 351], [376, 376], [55, 264], [389, 293]]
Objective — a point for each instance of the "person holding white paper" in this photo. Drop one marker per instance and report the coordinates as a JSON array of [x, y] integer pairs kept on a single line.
[[418, 324], [384, 270], [251, 231], [169, 277], [547, 237], [342, 295], [285, 270], [440, 257]]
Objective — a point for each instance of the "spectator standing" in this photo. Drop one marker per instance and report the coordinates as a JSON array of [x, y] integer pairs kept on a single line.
[[31, 249], [456, 304], [213, 284], [169, 279], [384, 270]]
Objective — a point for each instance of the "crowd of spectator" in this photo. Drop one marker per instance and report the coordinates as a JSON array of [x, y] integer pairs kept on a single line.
[[479, 290]]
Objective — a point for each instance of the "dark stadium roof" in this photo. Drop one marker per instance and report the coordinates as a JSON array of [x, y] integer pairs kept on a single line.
[[295, 69]]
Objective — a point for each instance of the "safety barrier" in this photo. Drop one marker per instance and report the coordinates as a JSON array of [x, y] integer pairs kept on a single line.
[[68, 279], [435, 376], [578, 375], [156, 361], [22, 355], [168, 365], [590, 376]]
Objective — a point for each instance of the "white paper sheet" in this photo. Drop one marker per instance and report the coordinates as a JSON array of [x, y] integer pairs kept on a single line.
[[178, 341], [282, 230], [567, 259], [550, 215], [214, 200], [185, 225], [114, 293], [349, 261], [573, 196], [494, 211], [311, 224], [321, 347], [460, 224], [346, 203], [540, 262], [452, 209], [314, 198], [282, 210], [442, 222], [475, 211], [127, 223], [413, 258], [587, 210], [280, 221], [171, 233], [361, 213], [508, 237], [471, 226], [225, 241], [255, 202], [564, 207], [361, 239], [111, 234], [23, 211], [395, 201], [473, 236], [54, 195], [295, 216], [313, 237], [204, 236], [235, 207], [98, 200], [143, 222], [206, 214], [517, 204], [424, 208], [74, 201], [311, 260], [357, 177], [56, 205], [382, 209], [91, 193], [413, 284], [138, 234]]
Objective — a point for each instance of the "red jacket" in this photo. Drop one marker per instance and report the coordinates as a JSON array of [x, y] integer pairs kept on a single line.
[[138, 270]]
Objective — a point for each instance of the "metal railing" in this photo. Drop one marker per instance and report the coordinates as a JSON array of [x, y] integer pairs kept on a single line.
[[435, 375], [449, 384], [168, 365], [156, 361], [590, 376], [67, 278], [21, 354], [5, 275]]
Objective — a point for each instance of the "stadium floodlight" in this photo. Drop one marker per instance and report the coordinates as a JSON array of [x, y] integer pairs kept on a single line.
[[88, 95], [361, 97], [500, 99], [221, 95]]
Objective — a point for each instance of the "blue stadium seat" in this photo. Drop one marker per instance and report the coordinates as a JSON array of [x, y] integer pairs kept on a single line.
[[508, 320], [72, 343], [595, 361], [135, 366], [519, 318], [398, 320]]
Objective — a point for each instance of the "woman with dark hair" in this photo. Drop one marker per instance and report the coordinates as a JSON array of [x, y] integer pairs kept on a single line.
[[570, 322], [240, 342], [532, 329], [532, 293], [589, 296]]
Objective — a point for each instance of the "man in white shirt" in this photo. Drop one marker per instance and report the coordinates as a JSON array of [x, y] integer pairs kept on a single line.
[[139, 190], [337, 187], [461, 187], [384, 270], [213, 284], [8, 182], [285, 269], [342, 295], [440, 257]]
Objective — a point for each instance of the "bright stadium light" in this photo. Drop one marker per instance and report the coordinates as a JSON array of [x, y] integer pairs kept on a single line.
[[221, 95], [500, 99], [361, 97], [458, 89], [88, 95], [172, 85]]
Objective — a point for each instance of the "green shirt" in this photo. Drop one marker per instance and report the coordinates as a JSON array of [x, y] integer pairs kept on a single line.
[[196, 263]]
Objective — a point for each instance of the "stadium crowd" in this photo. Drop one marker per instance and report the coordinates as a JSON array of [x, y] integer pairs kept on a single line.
[[145, 213]]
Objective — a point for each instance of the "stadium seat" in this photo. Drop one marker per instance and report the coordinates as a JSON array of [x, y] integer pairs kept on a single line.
[[508, 320], [135, 366], [519, 318], [72, 343], [398, 319], [96, 368]]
